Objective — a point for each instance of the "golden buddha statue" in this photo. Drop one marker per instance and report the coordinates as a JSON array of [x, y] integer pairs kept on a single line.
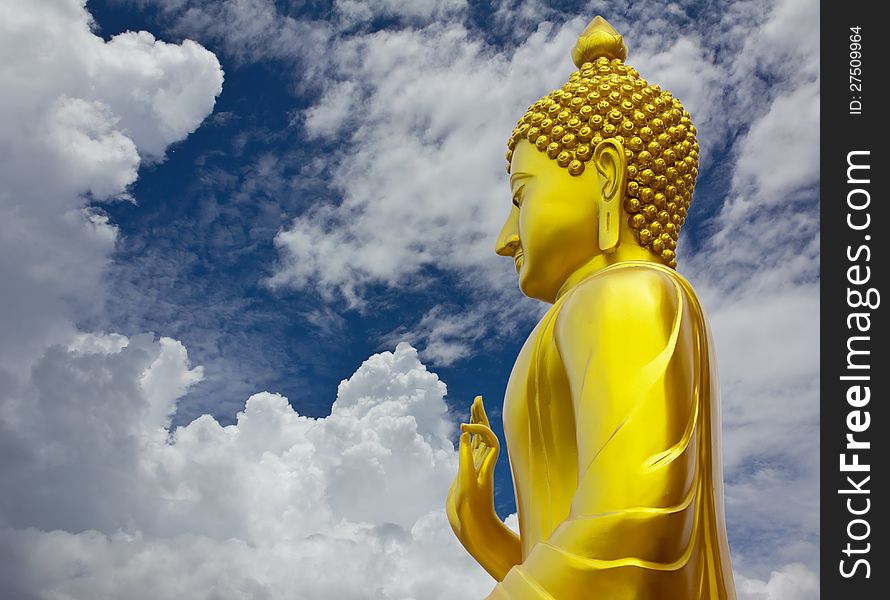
[[611, 413]]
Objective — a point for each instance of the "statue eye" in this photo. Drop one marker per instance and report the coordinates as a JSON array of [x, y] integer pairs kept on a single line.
[[517, 197]]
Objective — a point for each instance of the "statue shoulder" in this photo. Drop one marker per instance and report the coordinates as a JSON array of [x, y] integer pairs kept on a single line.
[[620, 319], [639, 291]]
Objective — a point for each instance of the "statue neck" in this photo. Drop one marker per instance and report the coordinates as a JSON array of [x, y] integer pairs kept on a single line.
[[627, 250]]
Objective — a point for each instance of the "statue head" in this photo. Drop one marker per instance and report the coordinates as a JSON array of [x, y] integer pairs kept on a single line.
[[605, 161]]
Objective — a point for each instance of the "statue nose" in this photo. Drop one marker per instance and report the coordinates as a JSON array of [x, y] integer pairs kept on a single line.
[[507, 245], [508, 239]]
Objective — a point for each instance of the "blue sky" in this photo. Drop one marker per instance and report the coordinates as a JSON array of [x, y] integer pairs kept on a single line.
[[261, 196]]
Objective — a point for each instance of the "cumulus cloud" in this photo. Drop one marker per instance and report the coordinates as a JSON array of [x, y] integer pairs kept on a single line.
[[78, 115], [792, 582], [104, 497]]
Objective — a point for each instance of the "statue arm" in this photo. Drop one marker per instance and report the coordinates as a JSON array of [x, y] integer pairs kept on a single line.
[[470, 502], [632, 370]]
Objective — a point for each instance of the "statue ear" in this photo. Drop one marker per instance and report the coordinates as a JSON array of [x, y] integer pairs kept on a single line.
[[608, 157]]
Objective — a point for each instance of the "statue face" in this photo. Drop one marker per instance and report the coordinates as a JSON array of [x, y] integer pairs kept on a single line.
[[552, 228]]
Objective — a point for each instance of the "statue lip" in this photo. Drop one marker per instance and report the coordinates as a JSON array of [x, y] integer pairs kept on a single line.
[[517, 258]]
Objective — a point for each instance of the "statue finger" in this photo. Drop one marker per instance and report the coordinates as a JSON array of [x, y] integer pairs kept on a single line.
[[489, 460], [479, 450], [466, 470], [480, 455], [479, 411], [483, 431]]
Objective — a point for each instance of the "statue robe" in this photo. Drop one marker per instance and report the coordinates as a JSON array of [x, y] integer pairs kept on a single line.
[[612, 425]]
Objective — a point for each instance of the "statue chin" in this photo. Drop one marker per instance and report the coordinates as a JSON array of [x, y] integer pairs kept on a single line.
[[532, 288]]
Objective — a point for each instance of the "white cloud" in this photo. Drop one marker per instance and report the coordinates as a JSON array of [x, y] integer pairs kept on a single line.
[[791, 582], [248, 30], [448, 334], [688, 68], [446, 337], [787, 129], [357, 563], [425, 151], [78, 115], [104, 499], [512, 521], [254, 30], [354, 12]]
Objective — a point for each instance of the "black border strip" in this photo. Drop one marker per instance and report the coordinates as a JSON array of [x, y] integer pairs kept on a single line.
[[854, 260]]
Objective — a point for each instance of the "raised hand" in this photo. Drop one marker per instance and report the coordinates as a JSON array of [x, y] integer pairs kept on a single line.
[[470, 503], [473, 487]]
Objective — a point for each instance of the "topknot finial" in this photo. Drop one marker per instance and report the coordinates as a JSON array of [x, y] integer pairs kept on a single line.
[[597, 40]]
